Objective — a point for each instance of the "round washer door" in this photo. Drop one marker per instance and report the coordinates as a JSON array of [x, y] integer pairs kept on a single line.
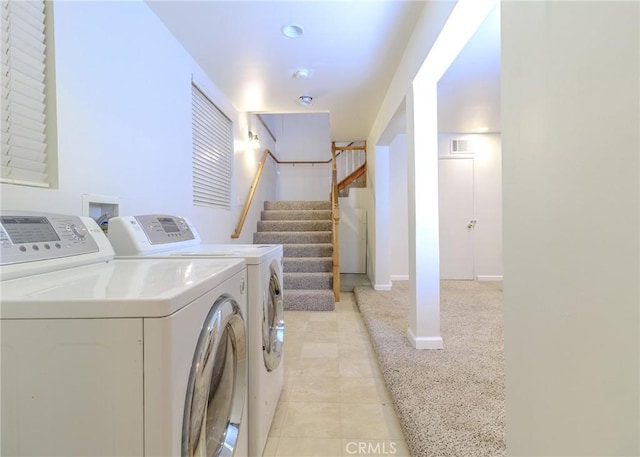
[[217, 384], [272, 321]]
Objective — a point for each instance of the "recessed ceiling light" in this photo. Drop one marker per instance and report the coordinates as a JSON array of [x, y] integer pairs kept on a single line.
[[305, 100], [292, 30], [301, 74]]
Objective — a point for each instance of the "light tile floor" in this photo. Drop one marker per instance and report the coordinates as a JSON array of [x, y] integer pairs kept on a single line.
[[334, 401]]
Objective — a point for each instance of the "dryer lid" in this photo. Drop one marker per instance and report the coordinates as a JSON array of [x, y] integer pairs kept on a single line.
[[120, 288], [254, 254]]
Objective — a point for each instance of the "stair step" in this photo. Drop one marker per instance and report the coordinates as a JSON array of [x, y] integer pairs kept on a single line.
[[294, 226], [295, 215], [304, 229], [308, 300], [307, 280], [291, 237], [308, 250], [296, 205], [307, 264]]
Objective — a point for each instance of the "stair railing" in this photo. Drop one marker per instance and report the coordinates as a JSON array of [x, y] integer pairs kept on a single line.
[[252, 192], [335, 226], [256, 181], [335, 207], [351, 163], [360, 172]]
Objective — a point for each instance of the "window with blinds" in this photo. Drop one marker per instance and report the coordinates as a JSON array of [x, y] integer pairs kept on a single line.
[[212, 153], [24, 147]]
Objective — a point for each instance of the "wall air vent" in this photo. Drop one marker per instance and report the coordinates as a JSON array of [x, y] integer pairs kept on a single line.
[[462, 147]]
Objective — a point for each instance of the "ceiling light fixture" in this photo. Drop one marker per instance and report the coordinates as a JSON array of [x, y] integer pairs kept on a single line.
[[301, 74], [292, 30], [305, 100]]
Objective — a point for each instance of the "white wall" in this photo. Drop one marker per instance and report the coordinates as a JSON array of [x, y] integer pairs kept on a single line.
[[248, 160], [571, 176], [124, 119], [353, 231], [305, 182], [303, 137], [487, 203], [353, 238], [398, 209], [487, 200]]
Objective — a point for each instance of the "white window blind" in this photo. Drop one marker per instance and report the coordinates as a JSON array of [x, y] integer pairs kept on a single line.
[[212, 153], [24, 148]]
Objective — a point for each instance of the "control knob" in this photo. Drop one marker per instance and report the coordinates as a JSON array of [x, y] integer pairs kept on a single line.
[[77, 232]]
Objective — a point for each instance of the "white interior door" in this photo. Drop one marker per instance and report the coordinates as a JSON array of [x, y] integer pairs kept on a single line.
[[457, 220]]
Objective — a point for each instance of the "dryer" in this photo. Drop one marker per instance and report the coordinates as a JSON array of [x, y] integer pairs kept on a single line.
[[166, 236], [117, 357]]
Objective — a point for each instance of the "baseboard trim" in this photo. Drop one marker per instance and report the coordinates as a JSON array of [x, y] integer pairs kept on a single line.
[[478, 278], [425, 342], [399, 277], [382, 287], [489, 278]]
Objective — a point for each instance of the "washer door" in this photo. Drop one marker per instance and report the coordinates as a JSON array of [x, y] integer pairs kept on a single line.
[[272, 321], [217, 384]]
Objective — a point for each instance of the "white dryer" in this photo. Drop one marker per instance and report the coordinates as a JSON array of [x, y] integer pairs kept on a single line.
[[117, 357], [166, 236]]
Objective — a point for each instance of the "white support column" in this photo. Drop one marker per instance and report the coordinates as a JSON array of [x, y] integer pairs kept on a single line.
[[422, 181], [382, 277]]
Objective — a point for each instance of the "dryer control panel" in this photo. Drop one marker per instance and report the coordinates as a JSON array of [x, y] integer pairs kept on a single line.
[[33, 243], [133, 235], [26, 237]]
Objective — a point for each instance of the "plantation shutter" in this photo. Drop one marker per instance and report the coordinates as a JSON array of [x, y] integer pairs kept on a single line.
[[23, 144], [212, 153]]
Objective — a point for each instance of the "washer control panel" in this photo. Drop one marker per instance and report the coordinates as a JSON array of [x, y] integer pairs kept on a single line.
[[162, 229], [26, 236], [150, 233]]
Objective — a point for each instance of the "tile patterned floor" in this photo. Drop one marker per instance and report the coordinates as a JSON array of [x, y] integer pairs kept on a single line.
[[334, 402]]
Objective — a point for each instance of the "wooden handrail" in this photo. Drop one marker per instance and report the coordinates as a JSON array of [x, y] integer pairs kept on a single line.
[[302, 162], [247, 204], [252, 191], [357, 173], [351, 148], [335, 226]]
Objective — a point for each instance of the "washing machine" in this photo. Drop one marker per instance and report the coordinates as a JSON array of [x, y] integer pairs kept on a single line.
[[167, 236], [117, 357]]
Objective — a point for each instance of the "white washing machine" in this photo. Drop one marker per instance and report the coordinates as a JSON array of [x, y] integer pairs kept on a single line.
[[165, 236], [117, 357]]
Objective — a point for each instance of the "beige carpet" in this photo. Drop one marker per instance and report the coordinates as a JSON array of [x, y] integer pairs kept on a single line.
[[450, 402]]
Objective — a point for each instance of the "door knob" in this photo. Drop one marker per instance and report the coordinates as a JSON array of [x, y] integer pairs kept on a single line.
[[471, 224]]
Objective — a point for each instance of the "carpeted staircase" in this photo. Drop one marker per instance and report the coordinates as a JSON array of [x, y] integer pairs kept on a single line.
[[304, 230]]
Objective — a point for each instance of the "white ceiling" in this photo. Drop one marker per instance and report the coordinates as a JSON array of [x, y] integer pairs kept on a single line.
[[351, 49], [469, 91]]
